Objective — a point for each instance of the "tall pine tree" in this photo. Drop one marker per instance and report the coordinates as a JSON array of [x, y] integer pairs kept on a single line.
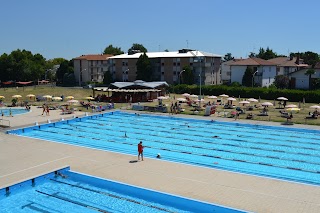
[[144, 68]]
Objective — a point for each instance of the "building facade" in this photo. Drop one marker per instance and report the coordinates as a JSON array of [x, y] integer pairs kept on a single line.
[[264, 71], [90, 68], [287, 65], [168, 66], [226, 70]]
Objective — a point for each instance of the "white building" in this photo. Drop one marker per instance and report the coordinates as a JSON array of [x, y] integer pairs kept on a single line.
[[299, 79], [226, 70], [286, 65], [168, 66], [264, 71], [90, 68]]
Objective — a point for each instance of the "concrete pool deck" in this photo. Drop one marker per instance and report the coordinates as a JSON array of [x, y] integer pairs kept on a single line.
[[22, 158]]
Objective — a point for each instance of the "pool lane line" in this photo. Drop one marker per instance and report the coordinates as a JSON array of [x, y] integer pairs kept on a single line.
[[224, 125], [213, 156], [115, 196], [73, 201], [225, 144], [313, 143], [203, 126], [207, 148], [180, 133]]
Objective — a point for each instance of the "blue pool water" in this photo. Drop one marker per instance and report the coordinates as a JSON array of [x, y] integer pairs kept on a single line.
[[14, 111], [67, 191], [285, 153]]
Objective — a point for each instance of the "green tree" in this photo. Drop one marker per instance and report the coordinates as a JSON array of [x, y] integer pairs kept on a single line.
[[247, 79], [113, 50], [228, 57], [137, 48], [144, 68], [22, 65], [252, 55], [266, 54], [166, 50], [187, 76], [107, 78], [66, 67], [308, 57], [281, 82], [310, 72], [69, 80]]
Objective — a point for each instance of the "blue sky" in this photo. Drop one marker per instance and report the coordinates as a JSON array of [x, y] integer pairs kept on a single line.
[[70, 28]]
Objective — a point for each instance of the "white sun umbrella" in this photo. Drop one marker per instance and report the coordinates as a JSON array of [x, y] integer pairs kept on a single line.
[[56, 98], [193, 96], [30, 96], [186, 94], [212, 97], [47, 96], [315, 107], [182, 99], [161, 97], [16, 96], [267, 104], [291, 106], [252, 100], [282, 98], [73, 101], [201, 100], [244, 102], [224, 96], [231, 99], [89, 98]]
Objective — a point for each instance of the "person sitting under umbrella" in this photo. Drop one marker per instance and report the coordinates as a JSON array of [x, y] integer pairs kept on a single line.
[[289, 117]]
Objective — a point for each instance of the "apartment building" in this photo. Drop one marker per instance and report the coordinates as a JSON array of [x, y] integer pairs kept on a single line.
[[90, 68], [168, 66]]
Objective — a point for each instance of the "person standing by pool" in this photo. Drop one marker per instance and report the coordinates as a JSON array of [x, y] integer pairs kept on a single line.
[[43, 109], [140, 151]]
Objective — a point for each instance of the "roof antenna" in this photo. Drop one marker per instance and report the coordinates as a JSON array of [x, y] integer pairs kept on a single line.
[[187, 44], [159, 47]]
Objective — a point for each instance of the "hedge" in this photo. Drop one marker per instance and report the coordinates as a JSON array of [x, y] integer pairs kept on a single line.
[[311, 96]]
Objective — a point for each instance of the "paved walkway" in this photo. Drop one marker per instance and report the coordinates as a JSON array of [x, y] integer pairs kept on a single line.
[[23, 158]]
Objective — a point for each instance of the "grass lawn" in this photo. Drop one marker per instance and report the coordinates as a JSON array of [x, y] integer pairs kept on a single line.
[[80, 94], [273, 111]]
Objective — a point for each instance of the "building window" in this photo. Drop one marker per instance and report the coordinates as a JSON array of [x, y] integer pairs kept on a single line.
[[162, 64], [174, 73], [162, 73], [191, 64], [174, 64], [178, 64]]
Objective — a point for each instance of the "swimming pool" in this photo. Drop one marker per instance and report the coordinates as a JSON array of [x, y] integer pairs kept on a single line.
[[285, 153], [14, 111], [67, 191]]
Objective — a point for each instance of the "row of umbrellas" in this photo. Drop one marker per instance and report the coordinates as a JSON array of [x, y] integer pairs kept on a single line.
[[31, 96]]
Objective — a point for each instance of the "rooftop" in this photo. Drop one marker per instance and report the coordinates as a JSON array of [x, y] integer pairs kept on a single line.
[[287, 62], [253, 62], [140, 83], [94, 57], [175, 54]]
